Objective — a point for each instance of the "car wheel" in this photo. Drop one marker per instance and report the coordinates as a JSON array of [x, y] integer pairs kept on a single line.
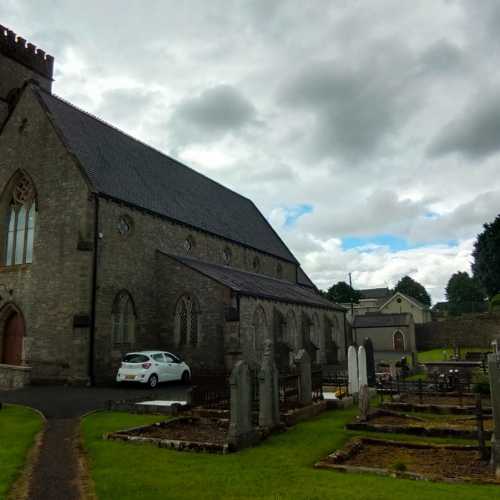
[[185, 377], [153, 381]]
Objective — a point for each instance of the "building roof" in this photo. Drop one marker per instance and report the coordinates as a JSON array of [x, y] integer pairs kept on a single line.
[[375, 293], [125, 169], [408, 298], [303, 279], [257, 285], [376, 320]]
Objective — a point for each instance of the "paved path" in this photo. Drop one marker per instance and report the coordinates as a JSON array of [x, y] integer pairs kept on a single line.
[[56, 472], [72, 402]]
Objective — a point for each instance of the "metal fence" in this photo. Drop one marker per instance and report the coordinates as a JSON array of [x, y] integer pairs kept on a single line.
[[450, 385], [289, 389], [210, 389], [317, 384]]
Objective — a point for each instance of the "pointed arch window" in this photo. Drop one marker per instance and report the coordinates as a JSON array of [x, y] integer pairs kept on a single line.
[[123, 319], [186, 321], [20, 223]]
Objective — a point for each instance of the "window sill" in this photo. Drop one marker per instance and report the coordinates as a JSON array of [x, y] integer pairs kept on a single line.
[[15, 267]]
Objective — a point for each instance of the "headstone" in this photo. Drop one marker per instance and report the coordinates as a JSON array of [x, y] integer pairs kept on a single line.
[[303, 363], [494, 372], [364, 402], [241, 432], [269, 398], [362, 374], [370, 361], [352, 370]]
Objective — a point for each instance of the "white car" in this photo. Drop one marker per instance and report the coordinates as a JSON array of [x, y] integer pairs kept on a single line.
[[153, 367]]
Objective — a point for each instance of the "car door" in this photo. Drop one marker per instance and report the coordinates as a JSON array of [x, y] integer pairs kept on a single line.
[[160, 366], [172, 367]]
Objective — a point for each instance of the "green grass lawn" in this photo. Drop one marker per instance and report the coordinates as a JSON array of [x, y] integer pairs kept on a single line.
[[18, 427], [439, 354], [278, 469]]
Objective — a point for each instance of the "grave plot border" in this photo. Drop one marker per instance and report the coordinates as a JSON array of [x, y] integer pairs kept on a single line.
[[130, 435], [334, 461], [411, 430]]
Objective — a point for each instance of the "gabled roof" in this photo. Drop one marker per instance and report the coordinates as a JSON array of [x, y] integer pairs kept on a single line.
[[375, 293], [376, 320], [257, 285], [303, 279], [125, 169], [409, 299]]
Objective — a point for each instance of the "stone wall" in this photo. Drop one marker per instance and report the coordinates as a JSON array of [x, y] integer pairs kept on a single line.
[[293, 314], [56, 287], [14, 377], [471, 331]]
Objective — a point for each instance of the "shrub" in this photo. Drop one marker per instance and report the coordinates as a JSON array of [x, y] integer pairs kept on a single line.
[[481, 384], [399, 466], [495, 303]]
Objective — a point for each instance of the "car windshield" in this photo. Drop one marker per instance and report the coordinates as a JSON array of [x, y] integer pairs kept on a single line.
[[135, 358], [174, 357]]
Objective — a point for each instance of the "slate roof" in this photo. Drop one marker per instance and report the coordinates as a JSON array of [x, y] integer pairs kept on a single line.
[[303, 279], [375, 293], [257, 285], [375, 320], [125, 169]]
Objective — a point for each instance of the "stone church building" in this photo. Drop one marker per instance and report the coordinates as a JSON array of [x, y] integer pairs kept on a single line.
[[109, 246]]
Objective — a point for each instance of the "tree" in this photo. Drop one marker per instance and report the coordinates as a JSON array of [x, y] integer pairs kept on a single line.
[[343, 293], [486, 255], [412, 288], [464, 294]]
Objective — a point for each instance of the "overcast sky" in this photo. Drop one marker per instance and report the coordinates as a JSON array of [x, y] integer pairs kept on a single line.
[[367, 132]]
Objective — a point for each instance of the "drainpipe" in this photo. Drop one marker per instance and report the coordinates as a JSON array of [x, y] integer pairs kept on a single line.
[[94, 293]]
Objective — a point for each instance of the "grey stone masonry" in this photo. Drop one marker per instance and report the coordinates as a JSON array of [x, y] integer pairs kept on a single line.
[[241, 431], [303, 363], [14, 377], [364, 402], [494, 371], [269, 412]]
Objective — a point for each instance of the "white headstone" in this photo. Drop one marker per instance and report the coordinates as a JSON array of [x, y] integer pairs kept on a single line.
[[362, 372], [352, 370]]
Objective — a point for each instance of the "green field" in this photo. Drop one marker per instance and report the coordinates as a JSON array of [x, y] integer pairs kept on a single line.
[[280, 468], [18, 427], [445, 353]]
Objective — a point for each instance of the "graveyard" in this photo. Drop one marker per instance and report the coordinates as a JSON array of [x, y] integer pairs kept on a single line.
[[259, 433], [364, 451]]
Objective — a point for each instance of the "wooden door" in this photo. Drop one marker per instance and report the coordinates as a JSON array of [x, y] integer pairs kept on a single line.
[[12, 345]]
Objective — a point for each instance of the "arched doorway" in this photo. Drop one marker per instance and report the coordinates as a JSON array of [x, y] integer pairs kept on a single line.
[[12, 339], [398, 341]]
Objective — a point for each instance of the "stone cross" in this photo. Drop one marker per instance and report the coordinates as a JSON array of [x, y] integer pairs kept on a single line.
[[269, 397], [362, 373], [494, 371], [364, 402], [241, 432], [370, 361], [352, 370], [303, 363]]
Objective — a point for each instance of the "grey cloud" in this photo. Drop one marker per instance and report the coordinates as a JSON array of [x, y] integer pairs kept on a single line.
[[380, 212], [461, 223], [475, 133], [125, 107], [443, 58], [355, 108], [211, 115]]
